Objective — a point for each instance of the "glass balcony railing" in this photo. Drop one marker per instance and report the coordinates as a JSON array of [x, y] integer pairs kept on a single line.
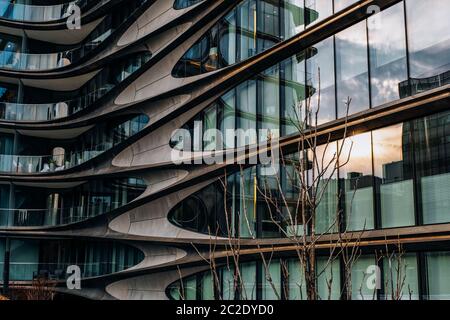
[[30, 164], [27, 271], [52, 163], [38, 13], [47, 61], [51, 217], [75, 205], [49, 111], [32, 13]]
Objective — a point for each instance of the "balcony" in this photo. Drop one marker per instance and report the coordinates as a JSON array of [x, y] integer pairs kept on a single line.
[[38, 13], [28, 61], [47, 61], [71, 205], [62, 160], [49, 111]]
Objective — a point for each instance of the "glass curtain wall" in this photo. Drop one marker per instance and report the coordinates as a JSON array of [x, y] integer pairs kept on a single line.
[[401, 276], [252, 27], [429, 44], [332, 76], [397, 176], [366, 65]]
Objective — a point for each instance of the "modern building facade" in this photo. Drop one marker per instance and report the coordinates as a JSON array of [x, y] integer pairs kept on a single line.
[[105, 147]]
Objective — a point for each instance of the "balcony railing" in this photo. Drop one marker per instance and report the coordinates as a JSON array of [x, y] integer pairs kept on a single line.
[[48, 61], [38, 13], [30, 164], [27, 271], [50, 163], [52, 217], [49, 111]]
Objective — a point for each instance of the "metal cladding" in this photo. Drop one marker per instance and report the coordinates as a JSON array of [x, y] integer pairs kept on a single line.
[[135, 85]]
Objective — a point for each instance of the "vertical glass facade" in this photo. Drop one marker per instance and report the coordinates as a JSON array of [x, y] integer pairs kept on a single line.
[[438, 275], [352, 70], [366, 63], [397, 176], [394, 176], [401, 276], [252, 27], [321, 81], [356, 175], [429, 41], [388, 54], [360, 279], [432, 153], [328, 278]]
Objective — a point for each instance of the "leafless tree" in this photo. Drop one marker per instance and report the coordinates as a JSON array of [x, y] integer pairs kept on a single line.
[[41, 289]]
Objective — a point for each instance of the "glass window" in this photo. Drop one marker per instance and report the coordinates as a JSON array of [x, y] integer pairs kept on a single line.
[[317, 10], [2, 257], [361, 283], [327, 188], [248, 281], [207, 286], [342, 4], [429, 39], [296, 289], [253, 26], [401, 278], [190, 288], [328, 278], [431, 136], [246, 113], [268, 24], [246, 214], [271, 289], [394, 177], [227, 116], [438, 275], [228, 38], [320, 80], [268, 212], [293, 93], [182, 4], [290, 180], [358, 182], [269, 106], [294, 17], [210, 137], [24, 262], [352, 69], [228, 283], [175, 292], [387, 41], [247, 16]]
